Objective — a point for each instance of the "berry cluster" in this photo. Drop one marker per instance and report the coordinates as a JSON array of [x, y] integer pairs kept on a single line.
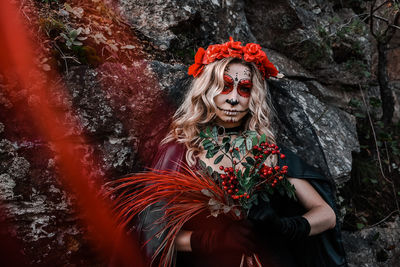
[[230, 183], [264, 150], [272, 174]]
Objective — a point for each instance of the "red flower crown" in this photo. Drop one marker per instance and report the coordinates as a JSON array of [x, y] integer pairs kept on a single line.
[[250, 53]]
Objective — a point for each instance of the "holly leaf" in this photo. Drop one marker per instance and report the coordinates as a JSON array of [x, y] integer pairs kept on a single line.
[[250, 160], [247, 171], [208, 132], [209, 170], [215, 133], [227, 146], [254, 141], [239, 141], [212, 152], [249, 143], [203, 135], [203, 165], [245, 164], [207, 144], [226, 140], [236, 154], [263, 138], [243, 149], [218, 159]]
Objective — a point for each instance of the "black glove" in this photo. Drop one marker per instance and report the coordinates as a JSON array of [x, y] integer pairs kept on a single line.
[[235, 236], [266, 221]]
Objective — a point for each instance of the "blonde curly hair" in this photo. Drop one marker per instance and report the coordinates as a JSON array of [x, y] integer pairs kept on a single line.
[[198, 108]]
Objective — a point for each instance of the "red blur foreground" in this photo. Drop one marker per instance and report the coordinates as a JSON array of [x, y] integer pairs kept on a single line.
[[17, 61]]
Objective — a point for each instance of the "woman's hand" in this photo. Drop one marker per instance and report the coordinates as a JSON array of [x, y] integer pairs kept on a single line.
[[318, 218], [267, 222]]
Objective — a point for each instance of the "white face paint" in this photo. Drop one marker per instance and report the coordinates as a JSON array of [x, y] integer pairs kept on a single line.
[[233, 102]]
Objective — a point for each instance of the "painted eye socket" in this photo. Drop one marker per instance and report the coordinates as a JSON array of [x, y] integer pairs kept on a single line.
[[228, 85], [227, 88], [244, 88]]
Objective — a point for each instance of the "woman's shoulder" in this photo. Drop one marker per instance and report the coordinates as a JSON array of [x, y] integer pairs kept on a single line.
[[169, 156]]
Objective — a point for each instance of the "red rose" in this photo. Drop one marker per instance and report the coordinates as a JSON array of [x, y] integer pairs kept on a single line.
[[214, 52], [198, 65], [252, 51], [270, 69], [235, 49]]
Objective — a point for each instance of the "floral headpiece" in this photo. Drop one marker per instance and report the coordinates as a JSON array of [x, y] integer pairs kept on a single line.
[[250, 53]]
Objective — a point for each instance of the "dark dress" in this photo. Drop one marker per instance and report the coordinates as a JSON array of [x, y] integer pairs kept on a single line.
[[324, 249]]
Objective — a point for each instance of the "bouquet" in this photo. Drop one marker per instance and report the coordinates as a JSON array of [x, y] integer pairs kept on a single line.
[[248, 178], [232, 191]]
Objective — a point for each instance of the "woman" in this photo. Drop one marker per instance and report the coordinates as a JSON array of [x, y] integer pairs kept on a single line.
[[230, 91]]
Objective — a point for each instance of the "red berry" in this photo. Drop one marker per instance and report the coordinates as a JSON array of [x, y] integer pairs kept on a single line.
[[234, 162], [225, 188], [277, 168], [221, 167], [230, 169], [282, 156], [237, 149], [248, 196], [223, 183], [232, 186], [236, 190], [285, 168], [230, 191]]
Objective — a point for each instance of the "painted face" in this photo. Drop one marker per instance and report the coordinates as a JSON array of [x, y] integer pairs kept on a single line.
[[233, 102]]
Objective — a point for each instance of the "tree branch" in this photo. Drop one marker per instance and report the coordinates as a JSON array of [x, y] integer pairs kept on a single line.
[[371, 21]]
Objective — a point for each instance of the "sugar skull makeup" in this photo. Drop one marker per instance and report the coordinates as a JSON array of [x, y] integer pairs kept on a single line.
[[233, 102]]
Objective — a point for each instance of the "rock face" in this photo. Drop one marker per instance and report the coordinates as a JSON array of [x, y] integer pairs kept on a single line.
[[181, 25], [376, 246], [125, 110]]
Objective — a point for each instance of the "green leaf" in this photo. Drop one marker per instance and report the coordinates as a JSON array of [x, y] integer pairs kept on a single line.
[[239, 141], [209, 170], [249, 143], [250, 160], [215, 133], [245, 164], [242, 149], [254, 141], [360, 226], [246, 171], [263, 138], [208, 132], [218, 159], [203, 135], [211, 153], [203, 164], [236, 154], [226, 140], [227, 146], [207, 144], [239, 174], [73, 34]]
